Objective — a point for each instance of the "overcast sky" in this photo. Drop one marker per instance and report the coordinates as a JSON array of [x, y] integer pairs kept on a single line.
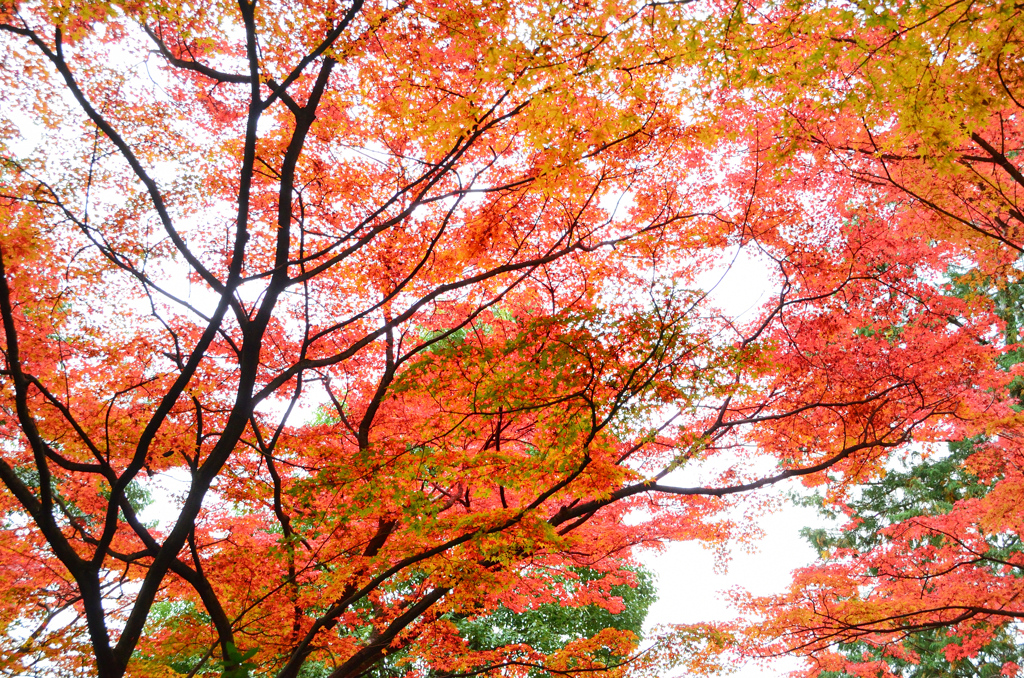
[[689, 587], [690, 590]]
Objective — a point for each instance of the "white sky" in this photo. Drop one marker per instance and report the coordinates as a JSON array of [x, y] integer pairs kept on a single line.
[[689, 587], [690, 590]]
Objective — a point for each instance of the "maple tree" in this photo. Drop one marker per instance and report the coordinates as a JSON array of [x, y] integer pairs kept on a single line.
[[929, 489], [903, 121], [922, 578], [884, 518], [394, 308]]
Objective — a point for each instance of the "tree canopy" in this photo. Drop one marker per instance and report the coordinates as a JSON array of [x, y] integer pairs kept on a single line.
[[394, 307], [910, 114]]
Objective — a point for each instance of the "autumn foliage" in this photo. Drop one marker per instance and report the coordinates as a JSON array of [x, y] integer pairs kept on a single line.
[[335, 333], [908, 116]]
